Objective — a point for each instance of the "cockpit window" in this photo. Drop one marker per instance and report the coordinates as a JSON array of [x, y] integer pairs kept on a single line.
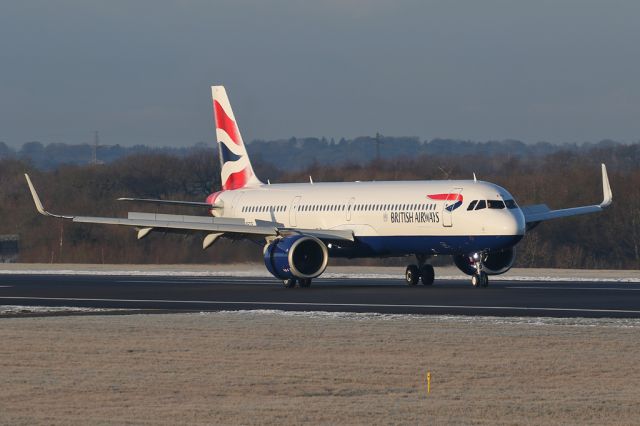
[[496, 204], [511, 204], [472, 205], [482, 204]]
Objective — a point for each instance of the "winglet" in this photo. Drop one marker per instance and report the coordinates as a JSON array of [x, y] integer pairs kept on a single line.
[[606, 189], [38, 203]]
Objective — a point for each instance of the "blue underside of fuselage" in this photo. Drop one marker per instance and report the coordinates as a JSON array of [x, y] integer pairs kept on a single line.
[[428, 245]]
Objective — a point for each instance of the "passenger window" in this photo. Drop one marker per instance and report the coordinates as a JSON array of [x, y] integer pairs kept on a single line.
[[482, 204], [472, 204], [495, 204]]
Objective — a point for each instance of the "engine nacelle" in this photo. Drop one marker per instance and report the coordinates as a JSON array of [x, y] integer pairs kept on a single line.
[[497, 262], [297, 256]]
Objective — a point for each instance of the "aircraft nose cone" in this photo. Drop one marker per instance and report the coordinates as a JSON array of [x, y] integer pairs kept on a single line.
[[510, 222], [518, 224]]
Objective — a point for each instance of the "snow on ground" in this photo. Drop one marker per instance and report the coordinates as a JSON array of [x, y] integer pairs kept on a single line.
[[15, 309], [463, 319]]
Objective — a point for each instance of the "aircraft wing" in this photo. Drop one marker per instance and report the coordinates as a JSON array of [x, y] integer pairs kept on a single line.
[[144, 223], [537, 213]]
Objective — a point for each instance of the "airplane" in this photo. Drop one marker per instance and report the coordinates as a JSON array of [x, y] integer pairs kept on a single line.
[[302, 225]]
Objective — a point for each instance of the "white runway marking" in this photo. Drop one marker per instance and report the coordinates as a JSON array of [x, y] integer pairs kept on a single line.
[[193, 281], [574, 288], [6, 286], [345, 305]]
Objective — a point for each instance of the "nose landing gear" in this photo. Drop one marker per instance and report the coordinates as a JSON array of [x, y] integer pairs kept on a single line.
[[480, 278]]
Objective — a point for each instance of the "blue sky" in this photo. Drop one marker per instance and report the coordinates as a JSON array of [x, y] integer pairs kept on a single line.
[[139, 71]]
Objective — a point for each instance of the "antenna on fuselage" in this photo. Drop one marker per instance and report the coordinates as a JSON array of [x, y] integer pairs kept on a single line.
[[310, 180], [474, 177]]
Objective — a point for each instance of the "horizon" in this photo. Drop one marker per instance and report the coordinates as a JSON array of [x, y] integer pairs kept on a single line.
[[213, 144]]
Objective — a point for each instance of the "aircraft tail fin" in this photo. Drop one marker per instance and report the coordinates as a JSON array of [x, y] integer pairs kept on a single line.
[[235, 165]]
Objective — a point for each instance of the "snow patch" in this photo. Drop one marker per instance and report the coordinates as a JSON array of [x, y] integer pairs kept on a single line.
[[17, 309], [354, 316]]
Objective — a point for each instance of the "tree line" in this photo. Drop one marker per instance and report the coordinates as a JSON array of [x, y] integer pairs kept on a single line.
[[298, 153], [562, 178]]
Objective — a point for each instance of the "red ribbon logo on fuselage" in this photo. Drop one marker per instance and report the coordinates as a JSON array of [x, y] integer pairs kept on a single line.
[[454, 199]]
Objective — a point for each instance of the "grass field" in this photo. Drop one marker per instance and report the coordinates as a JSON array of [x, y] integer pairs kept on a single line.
[[275, 368]]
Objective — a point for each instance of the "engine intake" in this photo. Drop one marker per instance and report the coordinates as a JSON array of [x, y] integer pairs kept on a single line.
[[497, 262], [297, 256]]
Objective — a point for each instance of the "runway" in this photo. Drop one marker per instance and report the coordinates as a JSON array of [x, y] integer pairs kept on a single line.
[[446, 297]]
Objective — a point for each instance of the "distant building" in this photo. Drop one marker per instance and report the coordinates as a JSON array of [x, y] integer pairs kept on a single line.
[[9, 248]]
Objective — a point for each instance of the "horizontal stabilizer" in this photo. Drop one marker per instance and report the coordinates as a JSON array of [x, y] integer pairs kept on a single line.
[[170, 202]]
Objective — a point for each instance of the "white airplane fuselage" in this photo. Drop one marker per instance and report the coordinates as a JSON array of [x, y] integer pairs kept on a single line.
[[386, 218]]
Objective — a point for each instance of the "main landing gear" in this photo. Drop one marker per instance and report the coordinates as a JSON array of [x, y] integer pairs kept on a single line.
[[423, 271], [302, 282], [480, 277]]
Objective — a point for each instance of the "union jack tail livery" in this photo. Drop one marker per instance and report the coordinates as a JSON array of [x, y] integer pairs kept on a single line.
[[235, 166]]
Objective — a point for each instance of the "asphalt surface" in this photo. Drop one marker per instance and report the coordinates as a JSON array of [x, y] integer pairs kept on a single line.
[[168, 294]]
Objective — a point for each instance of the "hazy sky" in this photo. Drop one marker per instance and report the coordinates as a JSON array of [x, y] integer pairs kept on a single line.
[[139, 71]]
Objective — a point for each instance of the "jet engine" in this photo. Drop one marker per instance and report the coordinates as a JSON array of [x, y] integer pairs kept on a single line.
[[496, 262], [297, 256]]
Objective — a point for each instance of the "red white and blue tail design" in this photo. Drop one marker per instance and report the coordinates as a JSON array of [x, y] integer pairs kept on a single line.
[[236, 171]]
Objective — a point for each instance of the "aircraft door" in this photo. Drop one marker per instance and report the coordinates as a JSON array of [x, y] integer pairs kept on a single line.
[[293, 211], [349, 207], [450, 204]]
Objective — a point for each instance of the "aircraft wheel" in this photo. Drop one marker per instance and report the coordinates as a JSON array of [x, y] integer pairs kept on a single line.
[[412, 275], [475, 280], [289, 283], [480, 280], [485, 280], [305, 282], [427, 274]]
